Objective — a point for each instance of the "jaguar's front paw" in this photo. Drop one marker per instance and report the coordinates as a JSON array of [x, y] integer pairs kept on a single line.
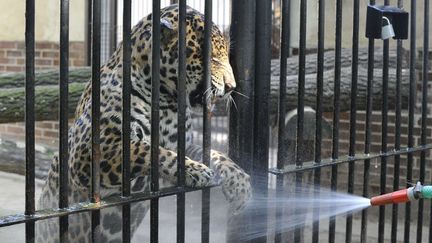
[[197, 174], [236, 185]]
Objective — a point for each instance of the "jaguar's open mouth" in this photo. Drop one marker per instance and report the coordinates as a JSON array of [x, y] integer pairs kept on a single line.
[[213, 94], [216, 93]]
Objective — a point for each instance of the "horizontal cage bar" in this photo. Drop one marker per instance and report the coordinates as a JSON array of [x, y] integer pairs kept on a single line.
[[88, 206], [310, 165]]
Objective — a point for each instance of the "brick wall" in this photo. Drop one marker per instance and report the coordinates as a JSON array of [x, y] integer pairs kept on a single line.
[[12, 59], [12, 55], [375, 169], [46, 132]]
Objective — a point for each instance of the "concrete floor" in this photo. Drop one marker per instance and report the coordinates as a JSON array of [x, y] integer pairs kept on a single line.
[[12, 194], [167, 219], [12, 202]]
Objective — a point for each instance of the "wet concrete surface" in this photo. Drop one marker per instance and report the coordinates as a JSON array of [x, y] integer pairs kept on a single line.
[[12, 202]]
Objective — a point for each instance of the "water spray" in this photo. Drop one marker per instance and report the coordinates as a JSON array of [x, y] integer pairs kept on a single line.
[[405, 195]]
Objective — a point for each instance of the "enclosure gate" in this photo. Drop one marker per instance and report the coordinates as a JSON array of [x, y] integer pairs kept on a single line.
[[251, 62]]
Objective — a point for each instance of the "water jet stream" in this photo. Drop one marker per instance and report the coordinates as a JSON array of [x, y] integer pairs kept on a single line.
[[299, 206], [297, 210]]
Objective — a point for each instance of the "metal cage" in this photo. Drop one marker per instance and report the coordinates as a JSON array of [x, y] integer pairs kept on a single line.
[[249, 143]]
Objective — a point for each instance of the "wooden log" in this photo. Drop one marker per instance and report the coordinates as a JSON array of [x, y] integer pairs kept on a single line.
[[47, 99], [12, 100], [329, 61], [345, 88], [12, 90], [44, 77]]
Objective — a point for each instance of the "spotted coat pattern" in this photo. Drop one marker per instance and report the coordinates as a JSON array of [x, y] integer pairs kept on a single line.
[[235, 182]]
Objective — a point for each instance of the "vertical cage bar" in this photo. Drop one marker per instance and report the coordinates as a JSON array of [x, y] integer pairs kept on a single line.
[[95, 183], [300, 105], [318, 117], [181, 132], [207, 52], [241, 124], [88, 31], [369, 104], [425, 78], [398, 108], [63, 129], [113, 26], [263, 23], [126, 119], [336, 110], [155, 70], [282, 151], [363, 234], [353, 113], [242, 58], [262, 90], [424, 108], [384, 128], [30, 118], [411, 111]]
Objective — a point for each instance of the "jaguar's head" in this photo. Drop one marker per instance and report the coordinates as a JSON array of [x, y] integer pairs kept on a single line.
[[222, 77]]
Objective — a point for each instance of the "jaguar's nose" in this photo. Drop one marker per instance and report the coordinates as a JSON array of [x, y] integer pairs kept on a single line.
[[229, 87], [229, 81]]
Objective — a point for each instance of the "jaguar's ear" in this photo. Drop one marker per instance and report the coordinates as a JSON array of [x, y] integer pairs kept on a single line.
[[168, 31]]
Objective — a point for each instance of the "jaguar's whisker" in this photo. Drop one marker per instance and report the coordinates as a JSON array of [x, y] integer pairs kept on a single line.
[[247, 97], [233, 101]]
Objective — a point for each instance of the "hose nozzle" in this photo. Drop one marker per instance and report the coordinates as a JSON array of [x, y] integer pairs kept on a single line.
[[404, 195]]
